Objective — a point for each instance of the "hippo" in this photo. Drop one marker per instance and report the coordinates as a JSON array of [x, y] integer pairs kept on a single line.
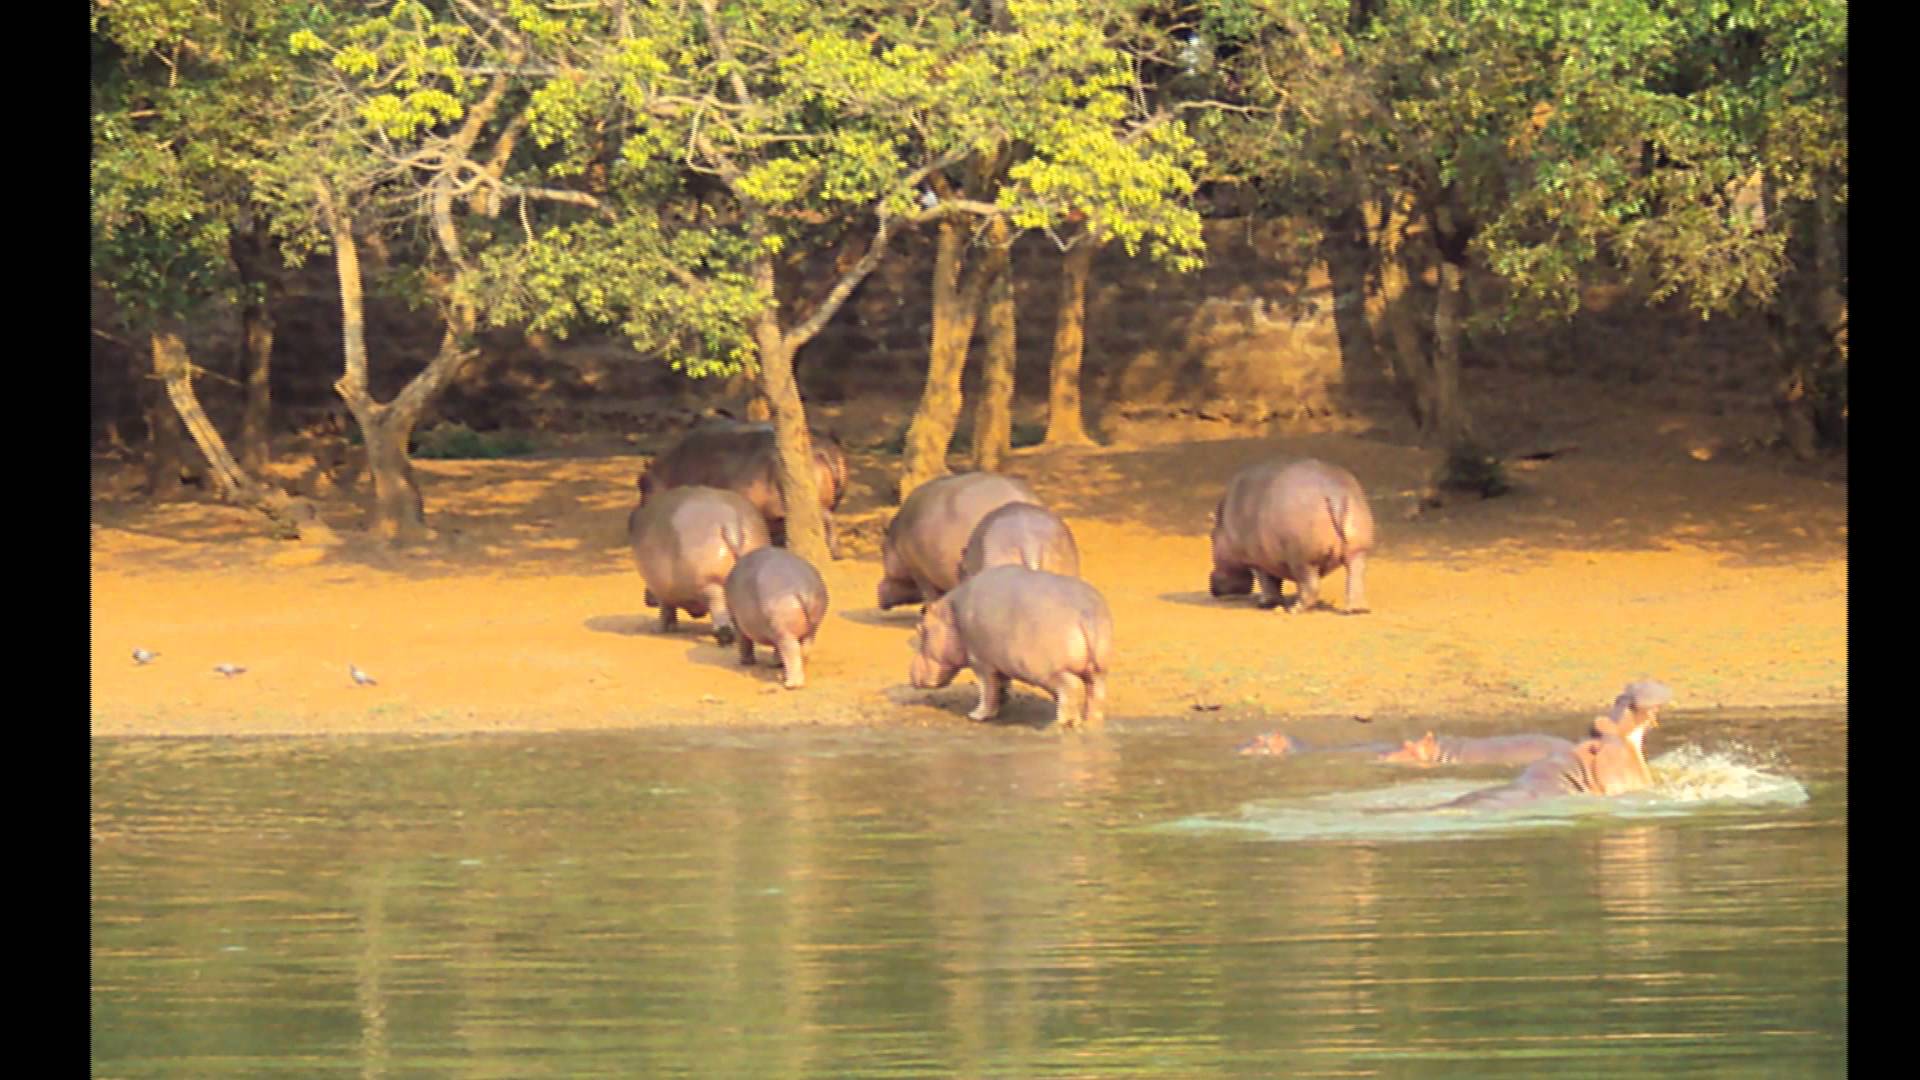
[[1280, 744], [1492, 750], [1025, 534], [1291, 521], [776, 598], [1611, 761], [742, 457], [920, 557], [685, 542], [1009, 622]]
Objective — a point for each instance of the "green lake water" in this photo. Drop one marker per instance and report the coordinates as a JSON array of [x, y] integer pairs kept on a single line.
[[960, 901]]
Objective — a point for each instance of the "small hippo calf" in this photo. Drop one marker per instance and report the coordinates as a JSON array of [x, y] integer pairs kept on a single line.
[[1009, 622], [1021, 534], [685, 543], [1291, 521], [777, 599]]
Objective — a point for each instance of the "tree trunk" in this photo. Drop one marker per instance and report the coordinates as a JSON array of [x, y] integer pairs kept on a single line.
[[172, 364], [398, 510], [1424, 347], [1808, 326], [956, 304], [166, 447], [251, 252], [806, 529], [256, 334], [1066, 426], [993, 416], [1344, 248], [1451, 425]]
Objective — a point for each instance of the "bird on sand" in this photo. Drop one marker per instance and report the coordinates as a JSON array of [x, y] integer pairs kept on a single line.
[[143, 656], [361, 677], [229, 670]]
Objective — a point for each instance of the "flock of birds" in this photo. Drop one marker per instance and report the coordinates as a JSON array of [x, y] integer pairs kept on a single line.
[[147, 656]]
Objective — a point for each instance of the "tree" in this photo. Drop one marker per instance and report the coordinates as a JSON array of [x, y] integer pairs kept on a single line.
[[184, 112], [1540, 141]]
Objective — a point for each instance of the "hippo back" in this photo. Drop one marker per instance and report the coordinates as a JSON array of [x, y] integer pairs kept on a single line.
[[934, 523], [1023, 534], [771, 589], [743, 457], [1279, 515], [688, 537]]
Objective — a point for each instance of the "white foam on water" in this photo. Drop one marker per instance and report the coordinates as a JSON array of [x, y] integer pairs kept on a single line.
[[1686, 781]]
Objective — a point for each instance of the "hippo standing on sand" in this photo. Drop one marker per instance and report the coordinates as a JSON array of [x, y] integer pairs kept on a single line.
[[920, 557], [1009, 622], [1291, 521], [776, 598], [1021, 534], [685, 542], [743, 458]]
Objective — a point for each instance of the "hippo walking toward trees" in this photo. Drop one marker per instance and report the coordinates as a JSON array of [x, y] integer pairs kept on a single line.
[[920, 557], [776, 598], [1009, 622], [685, 542], [742, 458], [1021, 534], [1292, 521]]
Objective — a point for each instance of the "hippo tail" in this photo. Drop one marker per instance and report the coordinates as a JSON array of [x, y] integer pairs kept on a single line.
[[1099, 635], [1341, 516]]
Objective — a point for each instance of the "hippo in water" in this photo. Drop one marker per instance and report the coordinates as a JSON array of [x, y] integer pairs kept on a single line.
[[1024, 534], [685, 542], [742, 457], [1611, 761], [1636, 708], [776, 598], [1009, 622], [1291, 521], [920, 557]]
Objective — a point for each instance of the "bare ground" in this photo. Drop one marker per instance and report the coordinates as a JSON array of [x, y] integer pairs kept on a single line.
[[1666, 545]]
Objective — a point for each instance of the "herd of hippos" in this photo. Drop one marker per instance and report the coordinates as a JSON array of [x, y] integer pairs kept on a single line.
[[997, 574]]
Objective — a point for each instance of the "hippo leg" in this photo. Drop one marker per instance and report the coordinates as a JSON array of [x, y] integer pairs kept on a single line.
[[716, 596], [1097, 700], [746, 651], [993, 689], [1070, 694], [777, 531], [833, 541], [1269, 591], [791, 660], [652, 600], [1307, 594], [669, 615], [1357, 584]]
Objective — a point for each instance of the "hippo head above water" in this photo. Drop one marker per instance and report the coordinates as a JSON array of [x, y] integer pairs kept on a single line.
[[1634, 711]]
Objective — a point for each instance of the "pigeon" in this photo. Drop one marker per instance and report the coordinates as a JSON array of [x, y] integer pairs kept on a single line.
[[143, 656], [229, 670], [361, 677]]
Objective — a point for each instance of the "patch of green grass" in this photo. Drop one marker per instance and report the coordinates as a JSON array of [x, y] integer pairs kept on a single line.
[[456, 441], [1472, 467]]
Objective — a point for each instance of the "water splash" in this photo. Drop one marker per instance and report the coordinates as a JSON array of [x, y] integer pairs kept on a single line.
[[1686, 781]]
